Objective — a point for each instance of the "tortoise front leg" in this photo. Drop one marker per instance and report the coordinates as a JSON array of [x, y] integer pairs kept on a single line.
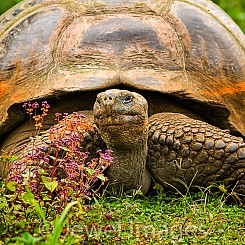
[[183, 151]]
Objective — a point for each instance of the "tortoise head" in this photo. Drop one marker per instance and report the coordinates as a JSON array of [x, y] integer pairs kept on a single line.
[[121, 117], [122, 120]]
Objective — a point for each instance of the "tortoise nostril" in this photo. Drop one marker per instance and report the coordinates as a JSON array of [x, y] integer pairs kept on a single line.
[[108, 98]]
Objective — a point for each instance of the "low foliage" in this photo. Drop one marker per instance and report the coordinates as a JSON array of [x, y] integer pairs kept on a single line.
[[202, 218], [52, 167], [49, 174]]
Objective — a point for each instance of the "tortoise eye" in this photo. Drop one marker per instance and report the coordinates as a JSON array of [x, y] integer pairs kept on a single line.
[[127, 99]]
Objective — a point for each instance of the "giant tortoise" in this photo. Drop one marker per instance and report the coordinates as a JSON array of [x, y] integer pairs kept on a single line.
[[185, 57]]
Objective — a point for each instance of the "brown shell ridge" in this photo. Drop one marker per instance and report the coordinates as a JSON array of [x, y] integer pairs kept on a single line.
[[55, 51], [181, 45], [223, 18], [23, 9], [165, 16]]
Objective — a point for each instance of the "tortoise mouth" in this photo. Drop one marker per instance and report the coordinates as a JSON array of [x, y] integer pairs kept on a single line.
[[119, 120]]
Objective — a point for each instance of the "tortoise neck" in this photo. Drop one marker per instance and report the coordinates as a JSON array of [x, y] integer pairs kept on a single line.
[[129, 164]]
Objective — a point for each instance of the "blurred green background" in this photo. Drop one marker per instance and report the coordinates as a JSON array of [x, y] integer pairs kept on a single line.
[[235, 8]]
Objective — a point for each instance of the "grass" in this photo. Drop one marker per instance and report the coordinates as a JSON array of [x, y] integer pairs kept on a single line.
[[202, 218], [162, 220]]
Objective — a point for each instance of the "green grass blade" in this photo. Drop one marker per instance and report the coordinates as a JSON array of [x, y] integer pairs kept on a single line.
[[59, 223]]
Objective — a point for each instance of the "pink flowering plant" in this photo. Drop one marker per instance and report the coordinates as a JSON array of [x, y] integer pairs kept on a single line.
[[52, 167]]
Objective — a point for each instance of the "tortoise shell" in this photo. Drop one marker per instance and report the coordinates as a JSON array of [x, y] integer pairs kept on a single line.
[[189, 49]]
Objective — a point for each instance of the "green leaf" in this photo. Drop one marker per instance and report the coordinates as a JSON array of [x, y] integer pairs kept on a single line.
[[45, 198], [8, 158], [51, 185], [17, 207], [13, 158], [90, 171], [11, 185], [64, 148], [28, 198], [101, 177], [3, 204], [42, 172], [28, 239], [55, 158], [45, 179]]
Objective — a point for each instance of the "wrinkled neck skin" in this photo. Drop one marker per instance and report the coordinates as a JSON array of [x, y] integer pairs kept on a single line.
[[128, 170]]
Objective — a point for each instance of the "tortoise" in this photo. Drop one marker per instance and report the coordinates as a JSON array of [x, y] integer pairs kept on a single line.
[[183, 56], [173, 149]]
